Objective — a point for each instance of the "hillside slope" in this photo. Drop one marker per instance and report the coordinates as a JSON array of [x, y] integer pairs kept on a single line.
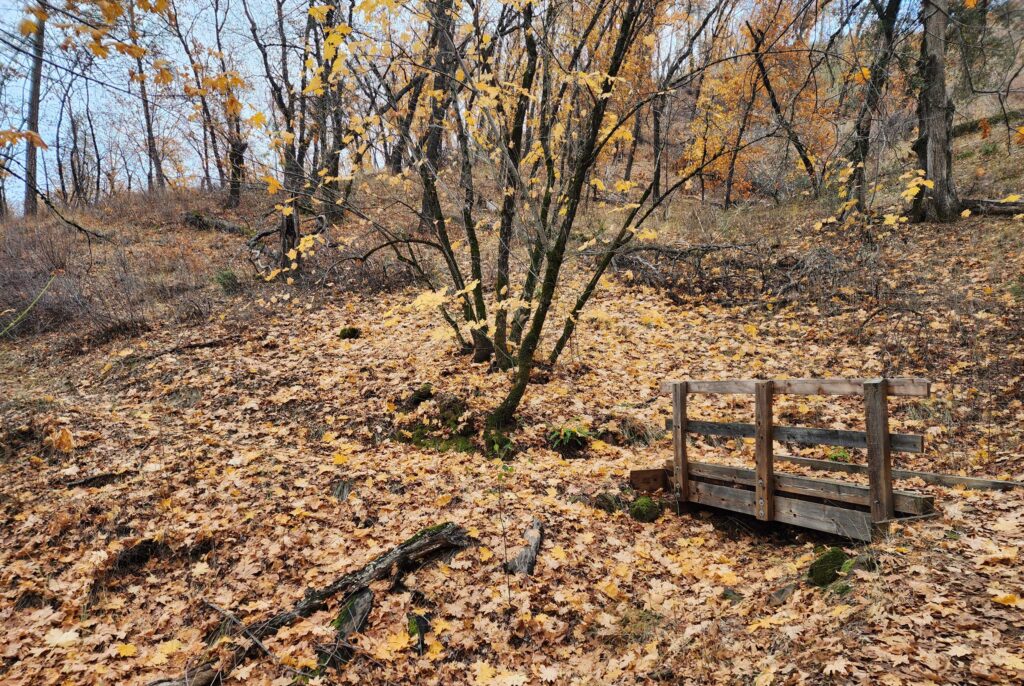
[[233, 464]]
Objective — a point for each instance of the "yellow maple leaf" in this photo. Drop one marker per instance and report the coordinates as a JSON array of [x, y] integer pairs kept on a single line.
[[126, 650], [320, 12], [443, 500], [1010, 599], [273, 185], [1013, 197], [169, 647]]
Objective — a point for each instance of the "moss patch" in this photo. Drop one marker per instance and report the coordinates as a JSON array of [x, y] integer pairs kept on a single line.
[[645, 509], [348, 333], [825, 569]]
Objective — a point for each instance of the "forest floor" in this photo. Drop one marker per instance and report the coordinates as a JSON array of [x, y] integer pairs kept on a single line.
[[246, 458]]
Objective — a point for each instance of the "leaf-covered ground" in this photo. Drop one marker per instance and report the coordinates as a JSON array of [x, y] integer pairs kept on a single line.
[[247, 459]]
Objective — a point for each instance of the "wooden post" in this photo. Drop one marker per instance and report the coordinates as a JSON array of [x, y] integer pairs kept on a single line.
[[680, 468], [876, 413], [764, 505]]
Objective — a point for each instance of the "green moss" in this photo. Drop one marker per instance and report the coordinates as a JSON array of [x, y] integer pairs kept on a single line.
[[348, 333], [426, 532], [825, 569], [608, 502], [645, 509], [840, 587], [228, 282], [421, 436]]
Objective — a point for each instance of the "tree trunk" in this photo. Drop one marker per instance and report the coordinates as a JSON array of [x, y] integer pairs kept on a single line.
[[31, 205], [935, 120], [236, 161], [787, 125], [657, 108], [876, 84]]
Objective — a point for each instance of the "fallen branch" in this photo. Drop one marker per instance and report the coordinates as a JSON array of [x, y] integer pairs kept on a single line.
[[424, 546], [98, 479], [526, 560], [993, 208], [196, 345], [201, 222]]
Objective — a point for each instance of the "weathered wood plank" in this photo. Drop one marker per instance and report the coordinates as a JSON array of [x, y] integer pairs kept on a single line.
[[876, 417], [648, 480], [906, 502], [764, 487], [903, 386], [903, 443], [680, 469], [928, 477], [837, 520], [724, 497]]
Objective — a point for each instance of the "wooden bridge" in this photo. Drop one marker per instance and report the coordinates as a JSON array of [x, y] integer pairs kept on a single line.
[[838, 507]]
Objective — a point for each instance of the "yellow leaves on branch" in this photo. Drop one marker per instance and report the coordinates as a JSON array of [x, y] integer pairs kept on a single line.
[[12, 137], [319, 12], [273, 185], [130, 49]]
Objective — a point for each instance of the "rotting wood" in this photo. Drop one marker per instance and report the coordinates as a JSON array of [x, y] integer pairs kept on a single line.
[[202, 222], [901, 386], [98, 480], [934, 478], [904, 443], [428, 544], [525, 561]]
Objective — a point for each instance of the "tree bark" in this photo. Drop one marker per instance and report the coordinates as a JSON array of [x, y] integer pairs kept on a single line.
[[31, 204], [876, 84], [934, 145]]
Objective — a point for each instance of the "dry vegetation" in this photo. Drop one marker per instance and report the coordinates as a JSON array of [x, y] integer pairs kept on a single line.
[[234, 460]]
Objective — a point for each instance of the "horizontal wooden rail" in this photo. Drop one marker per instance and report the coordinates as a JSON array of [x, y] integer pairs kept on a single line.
[[904, 443], [906, 386], [829, 489], [927, 477]]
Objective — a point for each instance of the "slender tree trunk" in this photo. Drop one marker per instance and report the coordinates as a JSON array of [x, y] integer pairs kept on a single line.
[[631, 156], [657, 108], [31, 205], [734, 155], [934, 145], [513, 152], [236, 162], [786, 124], [582, 164], [861, 144]]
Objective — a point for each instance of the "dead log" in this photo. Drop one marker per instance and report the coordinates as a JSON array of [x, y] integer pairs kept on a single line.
[[427, 545], [993, 208], [97, 480], [350, 620], [526, 560], [201, 222]]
